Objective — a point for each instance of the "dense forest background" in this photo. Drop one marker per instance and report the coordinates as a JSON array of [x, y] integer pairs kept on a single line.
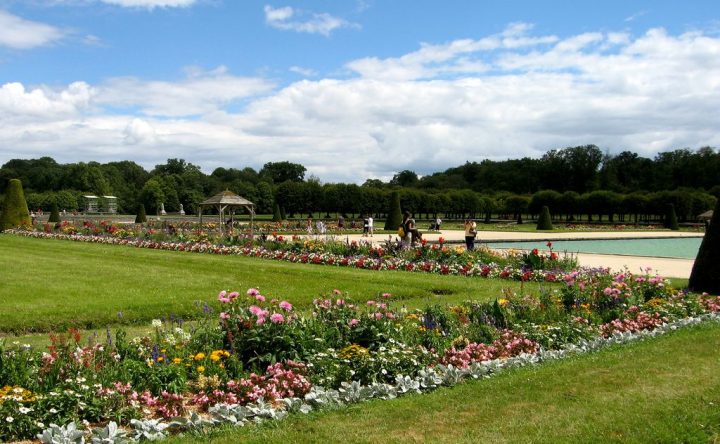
[[571, 181]]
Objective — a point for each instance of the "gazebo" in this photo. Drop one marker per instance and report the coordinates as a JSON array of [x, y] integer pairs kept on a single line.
[[227, 202], [706, 215]]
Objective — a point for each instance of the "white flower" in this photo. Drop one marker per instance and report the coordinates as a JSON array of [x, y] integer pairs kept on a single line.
[[40, 425], [25, 410], [156, 323], [9, 419], [53, 410]]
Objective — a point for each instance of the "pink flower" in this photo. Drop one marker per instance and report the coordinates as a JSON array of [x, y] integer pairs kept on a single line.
[[336, 291], [353, 322], [285, 305], [386, 295], [371, 302], [260, 321], [257, 311], [340, 302], [222, 297], [233, 295], [378, 315], [277, 318], [253, 292], [260, 297], [224, 315]]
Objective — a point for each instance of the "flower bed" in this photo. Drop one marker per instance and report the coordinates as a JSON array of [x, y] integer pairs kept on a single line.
[[257, 358], [425, 258]]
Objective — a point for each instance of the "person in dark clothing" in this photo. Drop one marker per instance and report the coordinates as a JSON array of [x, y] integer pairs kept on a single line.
[[409, 227]]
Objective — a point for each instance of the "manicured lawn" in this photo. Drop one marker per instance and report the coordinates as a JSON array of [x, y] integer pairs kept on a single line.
[[52, 284], [661, 390]]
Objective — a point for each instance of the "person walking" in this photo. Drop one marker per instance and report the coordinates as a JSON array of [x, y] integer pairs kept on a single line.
[[470, 233], [370, 225]]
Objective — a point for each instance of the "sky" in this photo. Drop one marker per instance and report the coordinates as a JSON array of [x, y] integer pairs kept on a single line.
[[354, 89]]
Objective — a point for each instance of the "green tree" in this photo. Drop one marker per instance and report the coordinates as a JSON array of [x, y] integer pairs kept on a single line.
[[15, 210], [544, 220], [54, 213], [276, 213], [671, 221], [279, 172], [140, 217], [705, 275], [394, 219]]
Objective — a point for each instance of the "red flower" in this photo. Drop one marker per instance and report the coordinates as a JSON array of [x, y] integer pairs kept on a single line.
[[535, 251]]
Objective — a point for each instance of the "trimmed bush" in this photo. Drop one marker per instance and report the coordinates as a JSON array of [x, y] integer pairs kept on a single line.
[[276, 213], [54, 213], [15, 210], [705, 275], [141, 217], [394, 213], [671, 218], [544, 221]]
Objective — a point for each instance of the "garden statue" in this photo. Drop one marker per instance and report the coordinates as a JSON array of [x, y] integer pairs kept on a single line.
[[162, 209], [182, 211]]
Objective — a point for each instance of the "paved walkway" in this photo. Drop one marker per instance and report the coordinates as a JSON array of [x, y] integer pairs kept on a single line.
[[667, 267]]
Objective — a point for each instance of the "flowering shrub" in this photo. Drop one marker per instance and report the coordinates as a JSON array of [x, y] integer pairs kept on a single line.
[[254, 350], [425, 258]]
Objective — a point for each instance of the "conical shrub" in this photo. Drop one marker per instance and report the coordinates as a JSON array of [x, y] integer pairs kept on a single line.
[[276, 213], [141, 217], [54, 213], [705, 275], [671, 218], [394, 213], [15, 210], [544, 221]]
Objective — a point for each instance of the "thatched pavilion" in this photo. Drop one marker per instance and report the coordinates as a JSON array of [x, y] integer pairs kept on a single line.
[[226, 202]]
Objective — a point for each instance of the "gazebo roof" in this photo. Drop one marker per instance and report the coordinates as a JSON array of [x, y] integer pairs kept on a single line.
[[227, 198], [706, 215]]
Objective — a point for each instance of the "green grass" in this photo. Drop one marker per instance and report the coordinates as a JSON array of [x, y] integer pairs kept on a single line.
[[661, 390], [52, 284]]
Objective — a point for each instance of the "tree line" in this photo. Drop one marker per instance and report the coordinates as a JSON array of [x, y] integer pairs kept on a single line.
[[572, 182]]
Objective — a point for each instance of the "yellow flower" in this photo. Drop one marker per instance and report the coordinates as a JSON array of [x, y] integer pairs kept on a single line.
[[503, 302], [177, 360], [200, 369], [200, 356]]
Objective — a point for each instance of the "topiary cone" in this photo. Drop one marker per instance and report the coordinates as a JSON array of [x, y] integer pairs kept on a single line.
[[671, 218], [276, 213], [141, 217], [544, 221], [15, 212], [394, 213], [54, 213], [705, 275]]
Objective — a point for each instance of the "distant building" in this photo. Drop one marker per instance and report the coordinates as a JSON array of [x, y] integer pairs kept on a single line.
[[94, 204]]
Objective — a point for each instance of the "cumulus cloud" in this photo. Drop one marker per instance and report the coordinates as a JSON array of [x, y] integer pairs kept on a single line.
[[289, 19], [508, 95], [200, 92], [465, 56], [19, 103], [18, 33], [151, 4]]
